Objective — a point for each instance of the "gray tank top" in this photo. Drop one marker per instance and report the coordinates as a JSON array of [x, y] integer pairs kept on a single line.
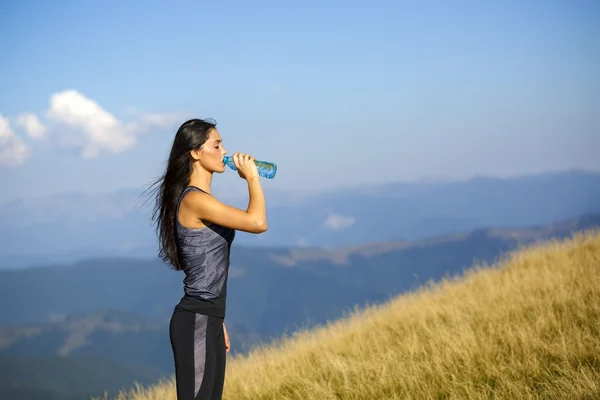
[[204, 256]]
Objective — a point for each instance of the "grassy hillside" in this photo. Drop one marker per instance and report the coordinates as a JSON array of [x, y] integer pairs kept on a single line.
[[528, 327]]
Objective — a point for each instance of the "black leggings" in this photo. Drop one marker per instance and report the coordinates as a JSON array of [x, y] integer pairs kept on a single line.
[[198, 344]]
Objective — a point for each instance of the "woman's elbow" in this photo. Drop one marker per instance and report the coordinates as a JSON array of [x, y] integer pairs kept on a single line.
[[260, 226]]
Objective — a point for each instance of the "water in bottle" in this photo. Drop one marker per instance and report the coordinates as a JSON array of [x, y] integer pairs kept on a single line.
[[265, 169]]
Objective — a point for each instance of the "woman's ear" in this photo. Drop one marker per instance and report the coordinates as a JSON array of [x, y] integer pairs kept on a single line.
[[195, 153]]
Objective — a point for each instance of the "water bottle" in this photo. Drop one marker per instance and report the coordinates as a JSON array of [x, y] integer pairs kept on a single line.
[[265, 169]]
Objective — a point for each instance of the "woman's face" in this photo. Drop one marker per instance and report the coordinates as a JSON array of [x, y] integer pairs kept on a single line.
[[211, 153]]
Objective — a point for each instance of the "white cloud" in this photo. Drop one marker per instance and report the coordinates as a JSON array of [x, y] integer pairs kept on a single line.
[[338, 222], [93, 129], [146, 122], [13, 151], [32, 125], [76, 121], [100, 130]]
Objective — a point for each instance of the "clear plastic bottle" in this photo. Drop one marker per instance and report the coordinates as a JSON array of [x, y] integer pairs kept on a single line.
[[265, 169]]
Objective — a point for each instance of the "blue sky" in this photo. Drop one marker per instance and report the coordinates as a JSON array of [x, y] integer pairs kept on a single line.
[[336, 93]]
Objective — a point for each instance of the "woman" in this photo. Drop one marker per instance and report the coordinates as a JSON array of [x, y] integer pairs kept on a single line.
[[195, 233]]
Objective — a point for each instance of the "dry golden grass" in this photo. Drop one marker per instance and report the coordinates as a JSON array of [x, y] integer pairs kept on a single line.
[[526, 328]]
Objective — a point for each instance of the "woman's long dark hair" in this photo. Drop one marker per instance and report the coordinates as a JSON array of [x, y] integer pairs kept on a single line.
[[191, 135]]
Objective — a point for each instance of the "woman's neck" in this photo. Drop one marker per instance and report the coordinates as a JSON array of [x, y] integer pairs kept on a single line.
[[201, 178]]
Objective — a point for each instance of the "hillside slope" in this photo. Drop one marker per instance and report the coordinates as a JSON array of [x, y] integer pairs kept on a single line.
[[528, 327]]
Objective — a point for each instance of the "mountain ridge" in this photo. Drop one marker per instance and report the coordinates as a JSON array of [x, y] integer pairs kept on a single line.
[[392, 212]]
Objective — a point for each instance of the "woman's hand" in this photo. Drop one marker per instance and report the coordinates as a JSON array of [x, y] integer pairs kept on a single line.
[[227, 344], [245, 165]]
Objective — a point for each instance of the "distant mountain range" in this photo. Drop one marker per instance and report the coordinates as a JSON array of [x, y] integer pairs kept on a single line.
[[99, 318], [67, 228]]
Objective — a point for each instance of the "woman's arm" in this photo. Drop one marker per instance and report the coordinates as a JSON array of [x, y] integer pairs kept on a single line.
[[253, 219]]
